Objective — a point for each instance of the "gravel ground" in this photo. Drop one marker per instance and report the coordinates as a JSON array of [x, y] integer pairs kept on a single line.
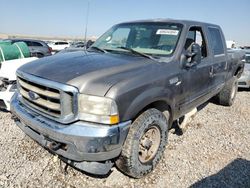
[[214, 151]]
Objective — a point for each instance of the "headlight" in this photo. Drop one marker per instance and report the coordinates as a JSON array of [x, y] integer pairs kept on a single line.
[[97, 109]]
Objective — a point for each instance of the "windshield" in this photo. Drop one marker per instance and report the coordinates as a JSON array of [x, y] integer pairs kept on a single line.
[[157, 39]]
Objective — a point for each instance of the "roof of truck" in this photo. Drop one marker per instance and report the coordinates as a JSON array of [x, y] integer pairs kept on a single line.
[[184, 22]]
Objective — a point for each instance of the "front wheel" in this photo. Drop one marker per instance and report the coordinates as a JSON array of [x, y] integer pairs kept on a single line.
[[144, 144]]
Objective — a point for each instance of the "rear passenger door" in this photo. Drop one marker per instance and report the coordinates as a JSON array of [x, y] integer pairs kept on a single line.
[[219, 62]]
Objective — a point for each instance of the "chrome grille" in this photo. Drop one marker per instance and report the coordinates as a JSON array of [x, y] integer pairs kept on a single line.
[[48, 101], [52, 99]]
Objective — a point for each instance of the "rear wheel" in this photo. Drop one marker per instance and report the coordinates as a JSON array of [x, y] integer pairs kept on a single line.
[[145, 144], [38, 55], [227, 95]]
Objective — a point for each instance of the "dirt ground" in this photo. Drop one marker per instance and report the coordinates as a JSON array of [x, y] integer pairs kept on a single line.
[[214, 151]]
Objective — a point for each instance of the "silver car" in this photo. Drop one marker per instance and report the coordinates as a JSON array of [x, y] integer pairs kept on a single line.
[[244, 80]]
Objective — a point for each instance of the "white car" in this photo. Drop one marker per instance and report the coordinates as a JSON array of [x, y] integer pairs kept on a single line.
[[8, 79], [244, 80], [58, 46]]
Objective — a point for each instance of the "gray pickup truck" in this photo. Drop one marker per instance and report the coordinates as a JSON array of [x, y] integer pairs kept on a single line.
[[115, 102]]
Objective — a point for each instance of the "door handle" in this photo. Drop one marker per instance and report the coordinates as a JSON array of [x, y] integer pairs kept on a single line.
[[211, 72]]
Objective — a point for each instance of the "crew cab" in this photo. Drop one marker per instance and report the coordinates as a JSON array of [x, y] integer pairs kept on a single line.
[[115, 102]]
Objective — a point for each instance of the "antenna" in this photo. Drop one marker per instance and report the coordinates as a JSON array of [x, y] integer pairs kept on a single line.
[[86, 26]]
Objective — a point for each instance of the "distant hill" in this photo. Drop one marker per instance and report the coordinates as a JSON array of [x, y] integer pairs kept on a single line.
[[4, 36]]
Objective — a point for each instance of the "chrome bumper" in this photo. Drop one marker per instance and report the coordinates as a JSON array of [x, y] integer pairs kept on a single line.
[[79, 141]]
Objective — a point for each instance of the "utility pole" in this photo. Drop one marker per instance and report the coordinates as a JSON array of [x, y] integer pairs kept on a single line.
[[86, 26]]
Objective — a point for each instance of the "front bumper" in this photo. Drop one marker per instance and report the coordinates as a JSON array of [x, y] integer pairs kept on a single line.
[[80, 141]]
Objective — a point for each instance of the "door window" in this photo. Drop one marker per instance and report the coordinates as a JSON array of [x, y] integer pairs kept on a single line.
[[216, 41], [195, 35]]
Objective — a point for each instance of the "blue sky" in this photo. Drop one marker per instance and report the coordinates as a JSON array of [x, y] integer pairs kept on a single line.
[[68, 18]]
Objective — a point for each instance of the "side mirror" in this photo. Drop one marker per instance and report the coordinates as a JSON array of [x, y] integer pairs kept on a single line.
[[192, 57], [89, 43]]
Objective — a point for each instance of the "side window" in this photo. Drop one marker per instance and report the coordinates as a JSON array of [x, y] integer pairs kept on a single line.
[[195, 35], [36, 44], [216, 41], [62, 43], [28, 43], [248, 58]]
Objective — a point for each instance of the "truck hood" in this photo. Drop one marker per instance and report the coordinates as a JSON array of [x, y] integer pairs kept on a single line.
[[91, 73]]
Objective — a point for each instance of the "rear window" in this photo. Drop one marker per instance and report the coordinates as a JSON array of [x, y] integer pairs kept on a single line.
[[29, 43], [61, 43], [216, 41]]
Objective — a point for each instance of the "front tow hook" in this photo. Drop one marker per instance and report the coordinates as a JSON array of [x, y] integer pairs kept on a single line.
[[55, 146], [14, 117]]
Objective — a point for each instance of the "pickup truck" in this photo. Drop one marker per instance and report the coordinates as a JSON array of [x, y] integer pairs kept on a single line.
[[115, 102]]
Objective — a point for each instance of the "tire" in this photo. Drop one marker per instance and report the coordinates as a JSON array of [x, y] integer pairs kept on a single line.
[[132, 160], [227, 95], [38, 55]]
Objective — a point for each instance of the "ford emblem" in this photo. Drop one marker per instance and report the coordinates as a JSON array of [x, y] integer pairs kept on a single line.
[[33, 96]]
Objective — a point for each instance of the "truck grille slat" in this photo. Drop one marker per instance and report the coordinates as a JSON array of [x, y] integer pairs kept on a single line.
[[42, 108], [41, 101], [38, 90]]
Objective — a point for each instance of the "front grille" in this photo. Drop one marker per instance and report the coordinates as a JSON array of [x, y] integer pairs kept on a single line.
[[48, 101], [56, 102]]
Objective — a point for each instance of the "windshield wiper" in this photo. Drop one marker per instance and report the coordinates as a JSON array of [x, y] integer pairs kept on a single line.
[[97, 49], [136, 52]]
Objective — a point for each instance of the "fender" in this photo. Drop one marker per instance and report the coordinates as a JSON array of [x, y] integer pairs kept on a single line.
[[146, 98]]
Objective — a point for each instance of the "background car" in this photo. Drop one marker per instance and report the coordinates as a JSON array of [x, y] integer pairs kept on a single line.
[[77, 45], [37, 48], [244, 80], [58, 46]]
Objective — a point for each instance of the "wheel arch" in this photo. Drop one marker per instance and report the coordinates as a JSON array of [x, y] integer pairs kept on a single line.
[[238, 72], [161, 105]]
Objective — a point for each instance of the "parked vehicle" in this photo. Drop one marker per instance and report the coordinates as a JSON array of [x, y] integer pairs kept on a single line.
[[12, 56], [244, 80], [58, 46], [230, 44], [116, 102], [8, 84], [77, 45], [37, 48], [70, 49]]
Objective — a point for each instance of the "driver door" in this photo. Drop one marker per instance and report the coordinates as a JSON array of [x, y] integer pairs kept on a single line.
[[197, 77]]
